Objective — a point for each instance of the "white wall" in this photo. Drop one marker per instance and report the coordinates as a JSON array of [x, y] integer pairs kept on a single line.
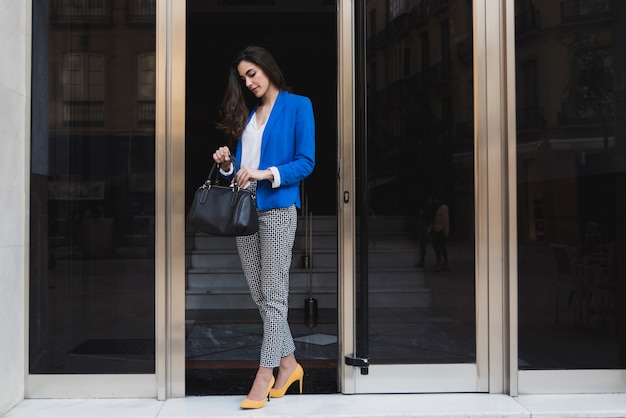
[[13, 219]]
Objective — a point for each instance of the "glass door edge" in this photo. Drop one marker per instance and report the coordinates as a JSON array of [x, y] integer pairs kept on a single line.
[[162, 31], [511, 198]]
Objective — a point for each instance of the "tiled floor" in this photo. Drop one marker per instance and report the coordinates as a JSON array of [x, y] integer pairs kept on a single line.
[[336, 405]]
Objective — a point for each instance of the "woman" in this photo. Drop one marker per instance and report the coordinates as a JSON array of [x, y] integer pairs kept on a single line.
[[276, 148]]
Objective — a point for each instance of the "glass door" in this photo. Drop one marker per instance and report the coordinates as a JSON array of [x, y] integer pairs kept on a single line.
[[415, 283]]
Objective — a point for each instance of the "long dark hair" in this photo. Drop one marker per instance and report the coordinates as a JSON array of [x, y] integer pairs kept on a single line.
[[234, 110]]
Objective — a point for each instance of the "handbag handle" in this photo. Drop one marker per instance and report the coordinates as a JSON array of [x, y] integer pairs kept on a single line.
[[213, 173]]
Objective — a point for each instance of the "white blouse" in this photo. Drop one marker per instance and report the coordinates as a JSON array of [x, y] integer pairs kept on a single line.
[[251, 140]]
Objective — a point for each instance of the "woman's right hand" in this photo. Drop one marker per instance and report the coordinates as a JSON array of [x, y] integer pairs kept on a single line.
[[222, 157]]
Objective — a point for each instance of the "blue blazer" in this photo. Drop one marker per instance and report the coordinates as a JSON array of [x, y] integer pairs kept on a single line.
[[289, 145]]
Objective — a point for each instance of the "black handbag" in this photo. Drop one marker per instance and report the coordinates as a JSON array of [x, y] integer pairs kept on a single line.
[[225, 211]]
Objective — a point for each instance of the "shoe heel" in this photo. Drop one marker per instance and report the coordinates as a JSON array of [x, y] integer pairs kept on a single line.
[[297, 374]]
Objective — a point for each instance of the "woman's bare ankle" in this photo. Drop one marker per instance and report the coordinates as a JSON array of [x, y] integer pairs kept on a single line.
[[261, 382]]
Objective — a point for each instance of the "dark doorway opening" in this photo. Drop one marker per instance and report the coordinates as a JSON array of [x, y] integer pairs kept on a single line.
[[223, 331]]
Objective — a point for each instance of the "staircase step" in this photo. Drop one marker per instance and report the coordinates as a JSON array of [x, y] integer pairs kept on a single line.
[[215, 279], [238, 298], [386, 241], [325, 258], [201, 241], [227, 277], [397, 288], [222, 258]]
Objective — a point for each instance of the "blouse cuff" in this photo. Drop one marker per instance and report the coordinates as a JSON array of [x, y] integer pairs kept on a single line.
[[276, 173], [227, 173]]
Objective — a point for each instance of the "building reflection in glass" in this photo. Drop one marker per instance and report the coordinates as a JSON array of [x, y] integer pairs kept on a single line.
[[420, 146], [571, 193], [92, 187]]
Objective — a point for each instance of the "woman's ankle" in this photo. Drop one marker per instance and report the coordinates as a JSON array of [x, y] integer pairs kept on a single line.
[[288, 363]]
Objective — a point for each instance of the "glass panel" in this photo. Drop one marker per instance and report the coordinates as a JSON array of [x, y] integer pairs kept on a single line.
[[416, 184], [92, 274], [571, 192]]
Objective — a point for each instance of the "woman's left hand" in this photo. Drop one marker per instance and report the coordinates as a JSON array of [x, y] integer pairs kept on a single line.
[[245, 174]]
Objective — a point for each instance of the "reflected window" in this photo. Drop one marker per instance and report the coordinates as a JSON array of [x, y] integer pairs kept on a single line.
[[406, 61], [445, 49], [82, 8], [577, 10], [142, 9], [146, 87], [425, 52], [83, 89], [83, 5], [396, 7], [372, 23]]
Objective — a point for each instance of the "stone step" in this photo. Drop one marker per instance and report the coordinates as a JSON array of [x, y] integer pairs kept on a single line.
[[324, 240], [200, 241], [218, 278], [228, 290], [228, 277], [215, 279], [222, 259], [384, 232], [380, 257], [239, 298]]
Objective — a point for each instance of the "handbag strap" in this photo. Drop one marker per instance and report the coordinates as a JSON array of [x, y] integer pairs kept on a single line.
[[212, 179]]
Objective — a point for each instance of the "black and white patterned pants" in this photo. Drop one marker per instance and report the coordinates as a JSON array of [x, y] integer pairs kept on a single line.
[[266, 260]]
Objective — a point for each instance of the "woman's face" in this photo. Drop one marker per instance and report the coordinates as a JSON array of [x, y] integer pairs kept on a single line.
[[254, 78]]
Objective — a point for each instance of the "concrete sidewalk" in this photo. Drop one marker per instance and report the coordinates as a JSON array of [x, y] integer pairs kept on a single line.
[[334, 405]]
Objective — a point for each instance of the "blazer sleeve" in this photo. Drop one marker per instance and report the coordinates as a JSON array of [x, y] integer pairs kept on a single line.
[[303, 162]]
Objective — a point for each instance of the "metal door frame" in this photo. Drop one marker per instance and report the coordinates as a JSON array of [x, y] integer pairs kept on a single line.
[[524, 382], [169, 377], [172, 45]]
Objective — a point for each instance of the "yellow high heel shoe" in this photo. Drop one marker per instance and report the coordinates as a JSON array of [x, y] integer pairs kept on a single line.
[[297, 374], [250, 404]]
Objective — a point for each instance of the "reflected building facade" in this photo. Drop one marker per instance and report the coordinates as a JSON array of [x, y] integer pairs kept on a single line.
[[93, 187], [417, 91], [570, 182], [569, 145]]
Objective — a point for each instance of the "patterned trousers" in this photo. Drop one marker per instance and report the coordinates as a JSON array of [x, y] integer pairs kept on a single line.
[[266, 260]]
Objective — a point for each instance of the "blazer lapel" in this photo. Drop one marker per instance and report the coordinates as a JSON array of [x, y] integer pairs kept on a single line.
[[277, 109]]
